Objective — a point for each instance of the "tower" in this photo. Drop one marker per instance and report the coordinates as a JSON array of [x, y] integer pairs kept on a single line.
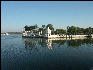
[[48, 32]]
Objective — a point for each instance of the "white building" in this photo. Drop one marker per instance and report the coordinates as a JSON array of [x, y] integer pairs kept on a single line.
[[48, 32]]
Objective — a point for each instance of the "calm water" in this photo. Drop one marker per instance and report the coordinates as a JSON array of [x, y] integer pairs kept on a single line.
[[19, 53]]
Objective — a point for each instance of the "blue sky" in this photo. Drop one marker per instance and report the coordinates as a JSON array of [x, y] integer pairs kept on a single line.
[[16, 14]]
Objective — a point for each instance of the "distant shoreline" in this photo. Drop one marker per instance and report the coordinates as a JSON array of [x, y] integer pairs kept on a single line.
[[13, 33]]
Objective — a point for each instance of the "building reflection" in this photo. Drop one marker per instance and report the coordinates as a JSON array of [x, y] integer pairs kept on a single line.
[[34, 43], [49, 44]]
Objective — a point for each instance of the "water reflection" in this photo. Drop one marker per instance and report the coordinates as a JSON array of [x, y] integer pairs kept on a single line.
[[46, 54], [79, 42], [51, 43]]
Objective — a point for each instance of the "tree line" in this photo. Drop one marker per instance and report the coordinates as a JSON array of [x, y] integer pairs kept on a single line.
[[71, 30]]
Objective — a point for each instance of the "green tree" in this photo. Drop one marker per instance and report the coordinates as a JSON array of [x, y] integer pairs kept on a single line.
[[72, 30], [43, 26], [89, 31], [60, 31], [28, 28]]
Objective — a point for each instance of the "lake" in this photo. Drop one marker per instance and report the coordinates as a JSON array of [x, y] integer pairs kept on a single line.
[[19, 53]]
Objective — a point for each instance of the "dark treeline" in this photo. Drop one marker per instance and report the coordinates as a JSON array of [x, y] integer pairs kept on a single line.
[[77, 30], [14, 32], [71, 30]]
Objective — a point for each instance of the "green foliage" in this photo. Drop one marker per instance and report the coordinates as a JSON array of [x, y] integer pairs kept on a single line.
[[43, 26], [71, 30], [77, 30], [89, 30], [60, 31], [50, 26], [28, 28]]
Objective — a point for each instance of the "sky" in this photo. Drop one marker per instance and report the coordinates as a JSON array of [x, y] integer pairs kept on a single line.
[[16, 14]]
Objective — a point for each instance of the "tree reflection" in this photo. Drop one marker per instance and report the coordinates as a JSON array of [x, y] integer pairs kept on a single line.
[[42, 42], [88, 41], [59, 42], [29, 43], [74, 43], [35, 43], [79, 42]]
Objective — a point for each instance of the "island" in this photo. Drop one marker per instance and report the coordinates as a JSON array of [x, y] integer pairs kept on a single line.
[[49, 32]]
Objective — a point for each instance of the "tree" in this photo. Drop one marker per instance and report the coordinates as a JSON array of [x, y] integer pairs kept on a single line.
[[72, 30], [60, 31], [43, 26], [92, 30], [68, 30], [75, 30], [28, 28], [35, 26], [89, 31]]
